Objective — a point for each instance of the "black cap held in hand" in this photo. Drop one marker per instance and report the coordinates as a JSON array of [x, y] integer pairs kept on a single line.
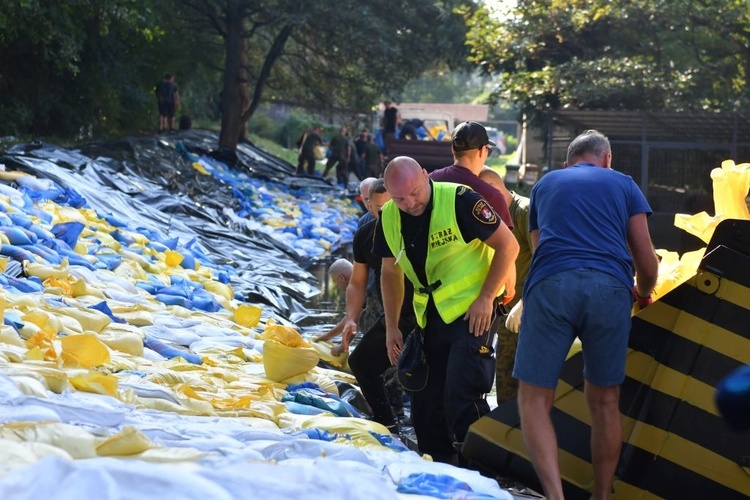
[[470, 135]]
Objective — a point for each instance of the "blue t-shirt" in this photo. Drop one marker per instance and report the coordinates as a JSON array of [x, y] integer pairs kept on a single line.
[[582, 215]]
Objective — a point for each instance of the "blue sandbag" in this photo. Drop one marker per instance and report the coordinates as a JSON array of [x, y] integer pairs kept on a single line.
[[174, 300], [25, 285], [113, 221], [122, 237], [17, 253], [68, 232], [170, 352], [438, 486], [188, 262], [110, 261], [104, 307], [22, 220], [48, 255], [302, 409], [389, 441], [19, 236], [41, 233], [43, 216], [149, 286], [180, 291], [204, 301]]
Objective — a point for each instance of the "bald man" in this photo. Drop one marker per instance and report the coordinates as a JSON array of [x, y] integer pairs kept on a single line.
[[458, 255], [340, 273]]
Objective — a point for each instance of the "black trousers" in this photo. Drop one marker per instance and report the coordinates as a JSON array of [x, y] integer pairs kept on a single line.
[[462, 370], [310, 160], [368, 362]]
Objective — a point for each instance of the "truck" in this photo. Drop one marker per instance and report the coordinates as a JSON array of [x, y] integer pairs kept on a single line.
[[432, 152]]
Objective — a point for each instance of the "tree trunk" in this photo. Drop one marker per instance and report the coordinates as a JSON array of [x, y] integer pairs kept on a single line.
[[234, 97], [265, 72]]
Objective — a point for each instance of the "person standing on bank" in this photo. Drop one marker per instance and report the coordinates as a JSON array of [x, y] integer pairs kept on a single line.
[[307, 144], [341, 152], [588, 224], [458, 255], [168, 99]]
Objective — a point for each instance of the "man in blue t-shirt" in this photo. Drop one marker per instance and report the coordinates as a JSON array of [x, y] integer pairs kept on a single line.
[[588, 224]]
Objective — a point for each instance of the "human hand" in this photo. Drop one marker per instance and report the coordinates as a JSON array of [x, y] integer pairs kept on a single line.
[[394, 341], [513, 321], [348, 333], [642, 302], [479, 315], [337, 350]]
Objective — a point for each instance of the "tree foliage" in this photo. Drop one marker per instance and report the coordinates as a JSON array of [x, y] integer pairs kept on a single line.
[[75, 67], [333, 58], [618, 54]]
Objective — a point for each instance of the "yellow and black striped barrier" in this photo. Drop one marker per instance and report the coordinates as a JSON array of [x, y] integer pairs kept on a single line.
[[675, 443]]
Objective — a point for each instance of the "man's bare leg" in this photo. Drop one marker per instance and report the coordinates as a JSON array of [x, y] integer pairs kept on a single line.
[[606, 435], [534, 404]]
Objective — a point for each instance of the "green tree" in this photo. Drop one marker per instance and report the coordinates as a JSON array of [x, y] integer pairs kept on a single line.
[[617, 54], [335, 58], [75, 68]]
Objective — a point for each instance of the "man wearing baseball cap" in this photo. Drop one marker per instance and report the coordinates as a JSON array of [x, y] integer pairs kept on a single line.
[[471, 147]]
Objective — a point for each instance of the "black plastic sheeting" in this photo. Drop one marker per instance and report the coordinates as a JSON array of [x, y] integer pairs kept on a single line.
[[147, 181]]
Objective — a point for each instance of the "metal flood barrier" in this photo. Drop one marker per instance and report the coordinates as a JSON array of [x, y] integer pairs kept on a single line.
[[675, 443]]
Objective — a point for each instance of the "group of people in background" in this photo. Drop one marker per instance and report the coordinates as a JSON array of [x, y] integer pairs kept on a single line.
[[455, 249], [343, 155]]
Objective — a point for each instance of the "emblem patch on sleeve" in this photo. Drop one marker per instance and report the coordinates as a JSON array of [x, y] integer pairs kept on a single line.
[[483, 212]]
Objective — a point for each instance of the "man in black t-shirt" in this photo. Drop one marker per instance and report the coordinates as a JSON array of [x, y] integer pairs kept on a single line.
[[307, 144], [369, 360], [168, 99]]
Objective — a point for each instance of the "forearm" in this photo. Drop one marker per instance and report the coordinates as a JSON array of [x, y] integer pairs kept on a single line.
[[502, 272], [392, 286], [355, 301]]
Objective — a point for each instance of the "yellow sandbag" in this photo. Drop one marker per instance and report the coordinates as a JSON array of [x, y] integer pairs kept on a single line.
[[138, 317], [89, 319], [285, 335], [69, 214], [16, 455], [132, 270], [55, 380], [29, 330], [173, 258], [116, 336], [9, 336], [731, 184], [282, 362], [128, 441], [69, 324], [46, 321], [172, 454], [31, 386], [84, 350], [94, 381], [219, 288], [80, 288], [324, 351], [45, 271], [77, 442], [247, 315]]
